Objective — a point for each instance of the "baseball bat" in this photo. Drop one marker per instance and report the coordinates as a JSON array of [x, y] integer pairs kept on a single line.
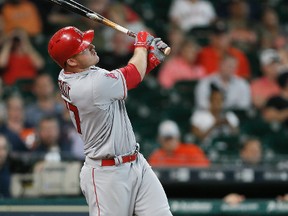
[[80, 9]]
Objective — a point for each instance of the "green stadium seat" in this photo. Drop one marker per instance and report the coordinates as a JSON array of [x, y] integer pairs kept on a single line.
[[277, 141], [185, 90]]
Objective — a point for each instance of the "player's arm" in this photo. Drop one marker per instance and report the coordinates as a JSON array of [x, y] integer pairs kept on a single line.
[[134, 72], [141, 63]]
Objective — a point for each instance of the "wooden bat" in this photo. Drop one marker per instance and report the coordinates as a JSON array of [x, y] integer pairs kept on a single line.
[[80, 9]]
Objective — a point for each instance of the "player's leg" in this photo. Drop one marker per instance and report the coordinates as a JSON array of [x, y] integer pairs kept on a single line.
[[151, 198], [105, 190], [87, 187]]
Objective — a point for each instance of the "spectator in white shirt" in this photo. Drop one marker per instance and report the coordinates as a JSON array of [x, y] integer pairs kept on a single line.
[[188, 14], [236, 90]]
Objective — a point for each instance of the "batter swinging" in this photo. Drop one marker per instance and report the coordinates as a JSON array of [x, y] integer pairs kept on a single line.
[[115, 178]]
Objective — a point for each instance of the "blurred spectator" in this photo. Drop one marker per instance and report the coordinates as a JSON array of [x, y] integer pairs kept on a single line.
[[236, 90], [175, 38], [16, 121], [210, 123], [119, 55], [21, 14], [276, 108], [18, 58], [46, 103], [281, 46], [59, 17], [16, 142], [266, 86], [234, 198], [242, 28], [2, 103], [182, 66], [124, 16], [174, 153], [270, 30], [48, 138], [220, 45], [282, 198], [188, 14], [4, 168], [101, 7], [251, 153]]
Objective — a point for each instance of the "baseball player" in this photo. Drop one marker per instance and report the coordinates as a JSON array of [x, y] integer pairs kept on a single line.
[[115, 178]]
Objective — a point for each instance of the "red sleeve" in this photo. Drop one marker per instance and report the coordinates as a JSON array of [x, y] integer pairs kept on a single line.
[[132, 76]]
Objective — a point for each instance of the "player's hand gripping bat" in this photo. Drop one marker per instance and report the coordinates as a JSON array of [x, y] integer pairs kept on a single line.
[[86, 12]]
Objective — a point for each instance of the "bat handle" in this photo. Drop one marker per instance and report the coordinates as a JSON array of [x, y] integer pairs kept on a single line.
[[165, 51]]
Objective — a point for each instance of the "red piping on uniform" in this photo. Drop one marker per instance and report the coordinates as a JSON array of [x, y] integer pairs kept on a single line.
[[123, 86], [97, 202]]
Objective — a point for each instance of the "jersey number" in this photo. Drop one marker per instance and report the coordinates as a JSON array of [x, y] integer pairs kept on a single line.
[[75, 111]]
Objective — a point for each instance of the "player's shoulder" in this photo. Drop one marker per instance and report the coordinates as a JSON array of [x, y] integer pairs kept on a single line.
[[108, 75]]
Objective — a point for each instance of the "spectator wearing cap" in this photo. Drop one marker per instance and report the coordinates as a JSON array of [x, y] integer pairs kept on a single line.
[[236, 90], [172, 152], [220, 45], [276, 108], [266, 86]]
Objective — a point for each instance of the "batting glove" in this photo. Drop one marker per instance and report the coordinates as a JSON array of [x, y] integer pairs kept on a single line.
[[155, 55], [143, 39]]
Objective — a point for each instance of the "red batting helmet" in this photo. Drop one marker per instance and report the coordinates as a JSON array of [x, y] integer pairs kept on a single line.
[[67, 42]]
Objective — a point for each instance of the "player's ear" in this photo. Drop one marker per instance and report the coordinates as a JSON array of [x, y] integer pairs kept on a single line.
[[71, 62]]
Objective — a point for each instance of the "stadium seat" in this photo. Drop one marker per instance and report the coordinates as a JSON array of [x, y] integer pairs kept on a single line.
[[225, 145], [277, 140], [185, 90]]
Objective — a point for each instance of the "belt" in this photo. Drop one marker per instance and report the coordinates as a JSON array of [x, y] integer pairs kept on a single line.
[[113, 161], [118, 160]]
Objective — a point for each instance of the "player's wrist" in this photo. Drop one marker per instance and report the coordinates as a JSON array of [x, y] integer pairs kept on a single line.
[[141, 50]]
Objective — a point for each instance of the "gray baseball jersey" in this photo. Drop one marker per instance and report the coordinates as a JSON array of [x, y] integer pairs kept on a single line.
[[95, 99]]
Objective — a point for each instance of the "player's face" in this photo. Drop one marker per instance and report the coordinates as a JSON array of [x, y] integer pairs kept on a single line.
[[87, 57]]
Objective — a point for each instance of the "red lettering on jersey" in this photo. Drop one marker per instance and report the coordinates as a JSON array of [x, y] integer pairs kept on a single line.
[[64, 88], [112, 75]]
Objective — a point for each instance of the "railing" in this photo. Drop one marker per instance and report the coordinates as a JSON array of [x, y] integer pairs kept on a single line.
[[78, 206]]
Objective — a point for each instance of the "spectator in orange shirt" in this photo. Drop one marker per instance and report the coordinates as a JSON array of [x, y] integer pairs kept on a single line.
[[21, 14], [220, 45], [19, 59], [174, 153]]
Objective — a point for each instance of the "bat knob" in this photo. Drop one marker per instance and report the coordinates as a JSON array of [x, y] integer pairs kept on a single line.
[[167, 51]]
